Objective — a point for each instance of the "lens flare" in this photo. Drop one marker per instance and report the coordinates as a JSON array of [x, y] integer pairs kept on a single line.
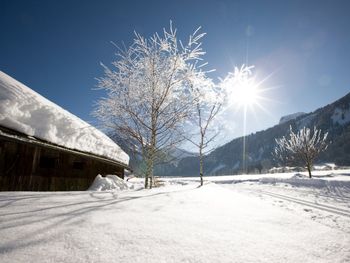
[[245, 93]]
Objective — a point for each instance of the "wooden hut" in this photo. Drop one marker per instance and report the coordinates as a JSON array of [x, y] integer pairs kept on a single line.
[[45, 148]]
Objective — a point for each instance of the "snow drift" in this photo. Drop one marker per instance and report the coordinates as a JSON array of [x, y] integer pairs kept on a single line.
[[108, 183], [303, 180], [26, 111]]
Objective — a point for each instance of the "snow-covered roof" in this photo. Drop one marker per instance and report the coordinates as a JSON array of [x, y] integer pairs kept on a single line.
[[26, 111]]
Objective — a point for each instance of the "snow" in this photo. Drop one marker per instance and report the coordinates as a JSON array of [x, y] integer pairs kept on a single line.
[[335, 175], [26, 111], [290, 117], [341, 116], [305, 121], [319, 167], [229, 219], [218, 167], [109, 182], [325, 166], [303, 180]]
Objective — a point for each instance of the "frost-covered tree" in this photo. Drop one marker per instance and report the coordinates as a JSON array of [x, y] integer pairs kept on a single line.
[[209, 99], [147, 92], [301, 147], [207, 102]]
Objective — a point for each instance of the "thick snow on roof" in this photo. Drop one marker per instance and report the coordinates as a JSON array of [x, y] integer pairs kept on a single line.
[[26, 111]]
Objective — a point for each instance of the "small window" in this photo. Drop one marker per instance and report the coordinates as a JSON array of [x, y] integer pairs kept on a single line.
[[47, 162], [78, 165]]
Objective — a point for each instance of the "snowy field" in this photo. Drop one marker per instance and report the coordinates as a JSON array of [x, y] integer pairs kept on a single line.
[[255, 218]]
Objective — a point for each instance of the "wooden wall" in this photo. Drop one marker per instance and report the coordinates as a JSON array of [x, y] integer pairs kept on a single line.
[[28, 167]]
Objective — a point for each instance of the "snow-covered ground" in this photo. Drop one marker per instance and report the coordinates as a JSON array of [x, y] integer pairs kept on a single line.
[[284, 218]]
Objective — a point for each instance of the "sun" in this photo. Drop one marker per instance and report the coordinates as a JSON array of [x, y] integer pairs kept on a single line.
[[242, 89], [246, 94]]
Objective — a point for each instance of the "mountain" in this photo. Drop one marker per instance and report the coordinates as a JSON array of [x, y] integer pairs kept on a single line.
[[227, 159], [291, 117], [179, 154]]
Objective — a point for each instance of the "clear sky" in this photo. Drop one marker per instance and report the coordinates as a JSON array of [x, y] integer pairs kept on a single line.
[[55, 48]]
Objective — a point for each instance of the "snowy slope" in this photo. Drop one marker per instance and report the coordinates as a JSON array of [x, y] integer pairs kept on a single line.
[[333, 118], [291, 117], [179, 222], [26, 111], [341, 116]]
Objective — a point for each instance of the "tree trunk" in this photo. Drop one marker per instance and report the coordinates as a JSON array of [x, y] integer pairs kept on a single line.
[[146, 180], [151, 174], [150, 153], [201, 170], [201, 165], [151, 164], [309, 170], [149, 170]]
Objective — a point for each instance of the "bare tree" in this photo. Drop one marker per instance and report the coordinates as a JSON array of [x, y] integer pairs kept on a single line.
[[147, 92], [208, 100], [302, 147]]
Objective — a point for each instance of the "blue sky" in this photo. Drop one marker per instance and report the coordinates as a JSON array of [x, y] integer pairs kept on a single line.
[[55, 47]]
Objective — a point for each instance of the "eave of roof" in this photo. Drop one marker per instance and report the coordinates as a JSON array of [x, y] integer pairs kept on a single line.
[[20, 137]]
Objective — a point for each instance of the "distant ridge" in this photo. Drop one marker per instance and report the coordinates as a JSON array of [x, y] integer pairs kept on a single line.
[[291, 117], [227, 159]]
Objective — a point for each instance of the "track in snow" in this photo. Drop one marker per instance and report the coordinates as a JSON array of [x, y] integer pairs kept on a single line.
[[327, 208]]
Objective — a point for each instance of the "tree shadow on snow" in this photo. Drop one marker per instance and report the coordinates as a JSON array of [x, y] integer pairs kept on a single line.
[[34, 227]]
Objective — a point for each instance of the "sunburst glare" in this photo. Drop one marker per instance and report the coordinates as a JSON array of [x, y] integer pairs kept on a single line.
[[244, 92]]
